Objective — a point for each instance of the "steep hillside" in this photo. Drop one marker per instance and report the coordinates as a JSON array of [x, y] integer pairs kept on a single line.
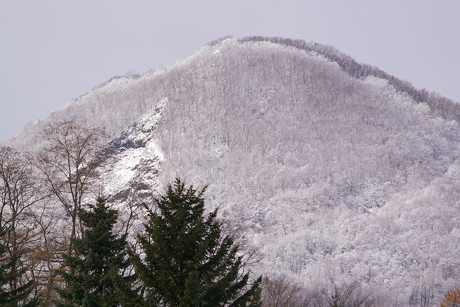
[[329, 168]]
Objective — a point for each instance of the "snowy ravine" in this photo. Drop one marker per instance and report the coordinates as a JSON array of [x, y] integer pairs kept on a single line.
[[327, 168]]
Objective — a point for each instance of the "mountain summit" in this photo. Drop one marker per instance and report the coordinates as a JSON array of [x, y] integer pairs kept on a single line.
[[327, 167]]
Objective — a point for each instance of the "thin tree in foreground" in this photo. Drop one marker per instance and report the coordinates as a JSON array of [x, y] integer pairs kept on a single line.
[[97, 276], [188, 260]]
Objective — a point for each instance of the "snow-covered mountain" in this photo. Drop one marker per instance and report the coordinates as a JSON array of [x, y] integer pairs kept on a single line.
[[329, 168]]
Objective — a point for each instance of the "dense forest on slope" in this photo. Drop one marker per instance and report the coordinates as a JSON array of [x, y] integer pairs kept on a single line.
[[328, 168]]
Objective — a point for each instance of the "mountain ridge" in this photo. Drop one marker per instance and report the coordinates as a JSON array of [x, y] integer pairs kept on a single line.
[[442, 106]]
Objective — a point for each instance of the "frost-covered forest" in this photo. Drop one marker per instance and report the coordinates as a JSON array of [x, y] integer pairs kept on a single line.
[[326, 169]]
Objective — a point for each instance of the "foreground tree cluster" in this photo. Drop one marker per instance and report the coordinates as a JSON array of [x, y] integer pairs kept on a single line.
[[187, 261], [74, 257]]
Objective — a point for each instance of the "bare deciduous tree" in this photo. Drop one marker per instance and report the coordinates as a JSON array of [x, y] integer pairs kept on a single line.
[[348, 295], [68, 162], [281, 292]]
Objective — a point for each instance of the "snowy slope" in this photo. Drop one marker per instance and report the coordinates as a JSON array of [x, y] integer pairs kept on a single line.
[[328, 170]]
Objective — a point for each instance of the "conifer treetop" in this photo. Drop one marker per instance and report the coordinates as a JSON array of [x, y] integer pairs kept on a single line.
[[189, 261]]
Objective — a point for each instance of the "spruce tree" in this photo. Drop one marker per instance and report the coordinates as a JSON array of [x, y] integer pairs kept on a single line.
[[18, 296], [189, 261], [96, 276]]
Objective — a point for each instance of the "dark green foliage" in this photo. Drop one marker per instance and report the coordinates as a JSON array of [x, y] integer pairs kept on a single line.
[[96, 276], [12, 297], [188, 260]]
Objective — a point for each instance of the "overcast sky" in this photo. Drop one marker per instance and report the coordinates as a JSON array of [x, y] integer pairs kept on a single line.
[[54, 51]]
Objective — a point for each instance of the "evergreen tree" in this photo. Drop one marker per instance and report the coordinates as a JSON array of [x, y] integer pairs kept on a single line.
[[18, 296], [97, 277], [188, 260]]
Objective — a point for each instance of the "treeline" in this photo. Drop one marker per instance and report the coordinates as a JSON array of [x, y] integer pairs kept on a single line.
[[444, 107]]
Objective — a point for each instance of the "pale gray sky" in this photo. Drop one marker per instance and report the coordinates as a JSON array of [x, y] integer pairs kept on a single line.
[[54, 51]]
